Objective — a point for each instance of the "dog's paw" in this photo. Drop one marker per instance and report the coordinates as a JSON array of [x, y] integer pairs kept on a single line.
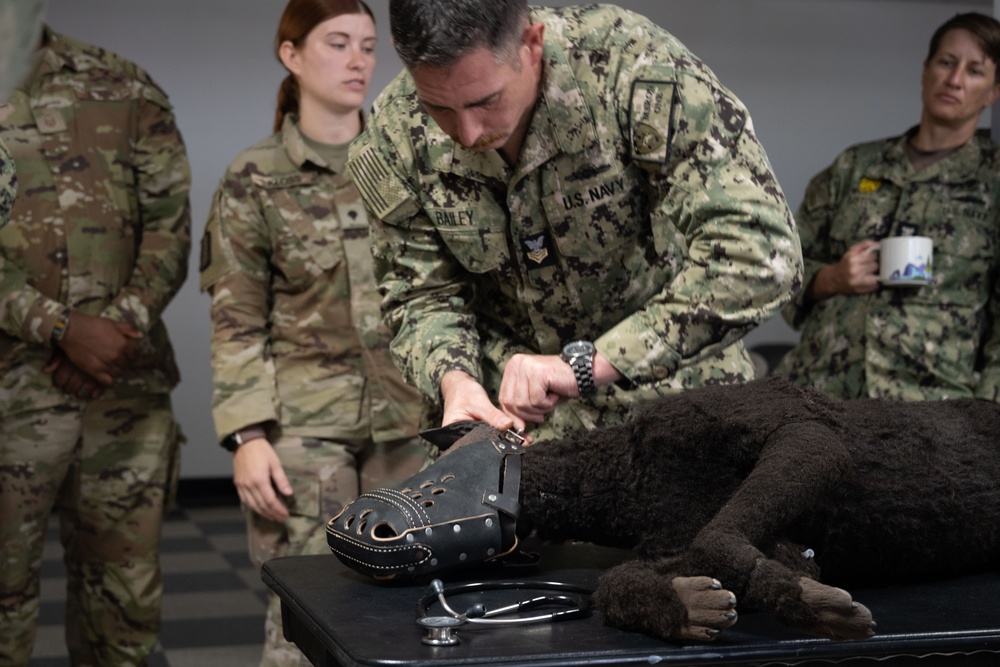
[[710, 608], [838, 615]]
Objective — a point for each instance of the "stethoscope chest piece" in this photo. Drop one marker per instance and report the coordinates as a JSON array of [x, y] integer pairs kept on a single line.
[[441, 630]]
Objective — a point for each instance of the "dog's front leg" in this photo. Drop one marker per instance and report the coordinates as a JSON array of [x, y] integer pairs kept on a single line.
[[654, 597], [800, 462]]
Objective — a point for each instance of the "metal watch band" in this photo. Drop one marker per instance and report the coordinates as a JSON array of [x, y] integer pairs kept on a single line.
[[583, 369]]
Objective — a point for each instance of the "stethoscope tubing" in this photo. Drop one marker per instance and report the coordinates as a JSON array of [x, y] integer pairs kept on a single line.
[[575, 599]]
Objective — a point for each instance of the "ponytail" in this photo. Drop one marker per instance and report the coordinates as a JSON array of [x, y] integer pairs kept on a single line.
[[288, 100]]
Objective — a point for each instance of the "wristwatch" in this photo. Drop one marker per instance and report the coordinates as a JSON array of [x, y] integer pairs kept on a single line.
[[580, 356], [233, 441]]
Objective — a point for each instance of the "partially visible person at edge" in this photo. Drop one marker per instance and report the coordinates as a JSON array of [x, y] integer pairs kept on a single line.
[[19, 32], [546, 176], [938, 179], [306, 395], [96, 247]]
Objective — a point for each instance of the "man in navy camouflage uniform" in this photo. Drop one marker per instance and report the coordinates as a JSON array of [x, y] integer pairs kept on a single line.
[[544, 177]]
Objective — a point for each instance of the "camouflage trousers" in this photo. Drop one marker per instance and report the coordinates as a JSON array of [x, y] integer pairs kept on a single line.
[[108, 468], [325, 476]]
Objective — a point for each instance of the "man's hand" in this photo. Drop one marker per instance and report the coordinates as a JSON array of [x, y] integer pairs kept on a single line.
[[465, 398], [100, 347], [257, 472], [534, 384], [69, 378], [855, 273]]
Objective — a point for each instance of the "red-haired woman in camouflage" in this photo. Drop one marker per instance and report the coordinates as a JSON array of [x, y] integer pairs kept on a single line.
[[305, 392]]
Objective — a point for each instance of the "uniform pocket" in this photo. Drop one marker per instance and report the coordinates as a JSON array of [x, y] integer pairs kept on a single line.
[[594, 210], [961, 223], [478, 250], [306, 233]]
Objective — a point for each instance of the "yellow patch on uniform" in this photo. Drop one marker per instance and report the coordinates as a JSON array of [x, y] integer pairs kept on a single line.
[[867, 186]]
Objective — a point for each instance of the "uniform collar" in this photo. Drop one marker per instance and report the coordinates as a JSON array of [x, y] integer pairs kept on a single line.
[[299, 152], [59, 52], [295, 145], [894, 165]]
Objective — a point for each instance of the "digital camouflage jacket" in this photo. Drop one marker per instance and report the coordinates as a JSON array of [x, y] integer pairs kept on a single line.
[[910, 343], [642, 214]]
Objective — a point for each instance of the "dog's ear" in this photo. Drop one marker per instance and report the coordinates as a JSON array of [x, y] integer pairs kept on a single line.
[[446, 436]]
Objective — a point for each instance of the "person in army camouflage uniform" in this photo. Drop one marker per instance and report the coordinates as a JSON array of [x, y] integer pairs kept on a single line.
[[20, 26], [8, 187], [544, 176], [939, 179], [305, 391], [96, 247]]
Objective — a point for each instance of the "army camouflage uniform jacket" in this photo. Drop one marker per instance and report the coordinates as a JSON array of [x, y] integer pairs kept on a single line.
[[8, 188], [101, 222], [297, 334], [642, 215], [909, 343]]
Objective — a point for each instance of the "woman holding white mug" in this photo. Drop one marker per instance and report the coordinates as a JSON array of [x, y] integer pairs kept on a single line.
[[926, 337]]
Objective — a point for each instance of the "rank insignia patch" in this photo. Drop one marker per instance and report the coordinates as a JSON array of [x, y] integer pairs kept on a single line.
[[536, 252], [867, 186]]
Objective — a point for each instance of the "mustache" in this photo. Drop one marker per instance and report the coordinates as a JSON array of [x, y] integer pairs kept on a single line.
[[485, 141]]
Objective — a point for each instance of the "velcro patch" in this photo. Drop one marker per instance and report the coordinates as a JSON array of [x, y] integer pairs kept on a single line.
[[379, 186], [653, 122]]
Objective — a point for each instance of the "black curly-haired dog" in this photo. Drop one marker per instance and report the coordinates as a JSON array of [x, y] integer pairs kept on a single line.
[[746, 492]]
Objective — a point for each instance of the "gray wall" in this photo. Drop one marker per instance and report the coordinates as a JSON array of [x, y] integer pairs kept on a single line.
[[817, 76]]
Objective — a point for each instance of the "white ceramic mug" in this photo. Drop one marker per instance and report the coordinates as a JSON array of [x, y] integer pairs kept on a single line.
[[906, 260]]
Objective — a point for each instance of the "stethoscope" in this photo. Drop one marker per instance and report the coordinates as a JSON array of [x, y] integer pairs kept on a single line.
[[574, 602]]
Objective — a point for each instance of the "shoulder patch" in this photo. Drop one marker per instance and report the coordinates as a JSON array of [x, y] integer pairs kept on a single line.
[[383, 192], [214, 262], [653, 123]]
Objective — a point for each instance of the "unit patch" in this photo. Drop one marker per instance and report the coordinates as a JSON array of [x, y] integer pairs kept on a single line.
[[647, 139], [653, 110], [206, 252]]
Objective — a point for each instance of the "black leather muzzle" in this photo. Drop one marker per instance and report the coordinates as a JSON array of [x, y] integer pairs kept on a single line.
[[460, 510]]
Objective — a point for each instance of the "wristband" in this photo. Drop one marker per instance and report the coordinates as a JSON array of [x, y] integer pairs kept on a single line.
[[61, 325], [244, 435]]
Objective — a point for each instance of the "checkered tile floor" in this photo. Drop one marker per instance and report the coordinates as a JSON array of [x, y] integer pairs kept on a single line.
[[214, 600]]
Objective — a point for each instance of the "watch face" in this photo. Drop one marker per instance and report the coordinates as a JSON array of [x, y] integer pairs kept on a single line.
[[578, 347]]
